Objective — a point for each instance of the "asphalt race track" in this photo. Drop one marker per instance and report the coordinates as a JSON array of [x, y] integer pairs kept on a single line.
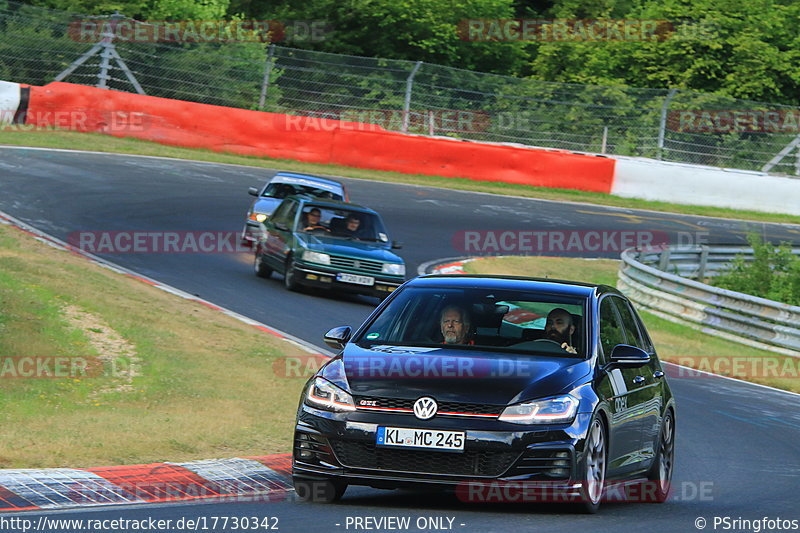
[[738, 446]]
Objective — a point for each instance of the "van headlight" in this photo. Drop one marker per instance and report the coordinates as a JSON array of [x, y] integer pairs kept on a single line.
[[549, 411], [394, 269], [323, 394], [316, 257]]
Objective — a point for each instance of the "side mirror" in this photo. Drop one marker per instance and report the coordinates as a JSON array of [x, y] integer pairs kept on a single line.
[[252, 191], [281, 226], [338, 337], [397, 245], [624, 356]]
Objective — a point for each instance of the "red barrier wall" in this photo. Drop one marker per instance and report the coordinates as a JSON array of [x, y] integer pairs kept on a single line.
[[241, 131]]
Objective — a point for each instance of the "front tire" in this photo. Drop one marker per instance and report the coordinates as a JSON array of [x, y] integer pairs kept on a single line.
[[595, 456], [660, 474], [290, 276], [260, 267], [319, 491]]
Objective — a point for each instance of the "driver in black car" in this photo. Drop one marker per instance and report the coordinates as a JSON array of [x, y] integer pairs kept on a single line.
[[559, 328], [313, 221]]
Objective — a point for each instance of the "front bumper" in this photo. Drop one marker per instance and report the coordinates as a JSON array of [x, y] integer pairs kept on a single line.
[[325, 278], [342, 447]]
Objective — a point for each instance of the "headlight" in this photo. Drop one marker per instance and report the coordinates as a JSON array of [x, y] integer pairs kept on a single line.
[[551, 410], [394, 269], [258, 217], [316, 257], [325, 395]]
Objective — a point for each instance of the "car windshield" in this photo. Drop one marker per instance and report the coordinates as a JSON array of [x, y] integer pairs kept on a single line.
[[509, 321], [282, 190], [342, 223]]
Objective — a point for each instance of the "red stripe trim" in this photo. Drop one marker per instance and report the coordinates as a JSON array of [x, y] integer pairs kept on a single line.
[[394, 409], [397, 410]]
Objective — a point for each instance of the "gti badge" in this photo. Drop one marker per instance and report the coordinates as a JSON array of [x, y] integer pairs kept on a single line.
[[425, 408]]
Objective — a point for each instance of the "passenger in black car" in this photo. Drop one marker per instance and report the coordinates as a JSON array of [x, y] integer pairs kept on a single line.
[[559, 328]]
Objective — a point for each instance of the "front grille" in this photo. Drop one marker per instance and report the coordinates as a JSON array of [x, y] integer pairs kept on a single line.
[[356, 264], [449, 407], [467, 463], [544, 464]]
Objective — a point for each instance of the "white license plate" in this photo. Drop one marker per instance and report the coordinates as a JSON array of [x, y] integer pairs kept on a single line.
[[352, 278], [421, 438]]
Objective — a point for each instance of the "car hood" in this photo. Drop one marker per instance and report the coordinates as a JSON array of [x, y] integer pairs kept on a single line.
[[377, 251], [265, 205], [458, 375]]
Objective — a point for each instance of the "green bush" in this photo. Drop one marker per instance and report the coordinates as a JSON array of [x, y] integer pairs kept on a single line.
[[774, 272]]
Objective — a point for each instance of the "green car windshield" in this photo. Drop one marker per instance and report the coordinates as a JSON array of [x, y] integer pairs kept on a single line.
[[342, 223]]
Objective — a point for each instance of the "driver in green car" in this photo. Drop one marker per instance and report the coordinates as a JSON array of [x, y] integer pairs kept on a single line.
[[559, 328], [313, 221]]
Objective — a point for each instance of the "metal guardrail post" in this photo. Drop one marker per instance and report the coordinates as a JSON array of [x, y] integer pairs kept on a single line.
[[663, 262], [701, 269]]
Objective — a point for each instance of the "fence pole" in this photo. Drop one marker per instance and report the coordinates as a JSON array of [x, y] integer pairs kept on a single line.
[[605, 140], [107, 51], [662, 127], [407, 100], [267, 73]]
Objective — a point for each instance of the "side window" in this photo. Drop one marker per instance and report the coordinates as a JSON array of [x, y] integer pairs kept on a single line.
[[290, 216], [629, 323], [611, 331], [648, 343]]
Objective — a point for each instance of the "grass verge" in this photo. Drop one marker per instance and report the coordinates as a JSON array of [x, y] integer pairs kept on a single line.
[[674, 342], [106, 143], [203, 384]]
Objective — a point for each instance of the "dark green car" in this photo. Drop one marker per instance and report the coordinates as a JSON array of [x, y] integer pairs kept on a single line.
[[329, 244]]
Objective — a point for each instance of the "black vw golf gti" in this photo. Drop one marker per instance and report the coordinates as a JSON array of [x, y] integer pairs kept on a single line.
[[462, 382]]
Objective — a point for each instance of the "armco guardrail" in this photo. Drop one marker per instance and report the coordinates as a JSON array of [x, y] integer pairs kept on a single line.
[[660, 281]]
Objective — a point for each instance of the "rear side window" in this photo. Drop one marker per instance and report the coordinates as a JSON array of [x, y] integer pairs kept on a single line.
[[611, 329], [632, 334]]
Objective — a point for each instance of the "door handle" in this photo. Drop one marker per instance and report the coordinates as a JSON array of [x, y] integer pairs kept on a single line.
[[638, 380], [658, 374]]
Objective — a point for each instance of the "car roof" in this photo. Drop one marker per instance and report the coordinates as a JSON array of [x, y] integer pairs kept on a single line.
[[329, 204], [520, 283], [295, 176]]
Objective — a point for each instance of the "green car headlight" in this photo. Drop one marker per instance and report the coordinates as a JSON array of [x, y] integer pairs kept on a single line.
[[316, 257], [394, 269]]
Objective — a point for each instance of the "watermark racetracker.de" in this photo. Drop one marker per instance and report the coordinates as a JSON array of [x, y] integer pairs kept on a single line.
[[157, 242], [196, 31]]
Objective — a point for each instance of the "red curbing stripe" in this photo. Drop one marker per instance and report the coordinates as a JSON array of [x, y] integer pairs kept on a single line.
[[270, 331], [12, 502], [209, 305], [159, 482], [281, 463], [139, 278]]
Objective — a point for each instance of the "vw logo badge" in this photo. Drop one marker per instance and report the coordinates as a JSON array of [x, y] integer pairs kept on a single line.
[[425, 408]]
